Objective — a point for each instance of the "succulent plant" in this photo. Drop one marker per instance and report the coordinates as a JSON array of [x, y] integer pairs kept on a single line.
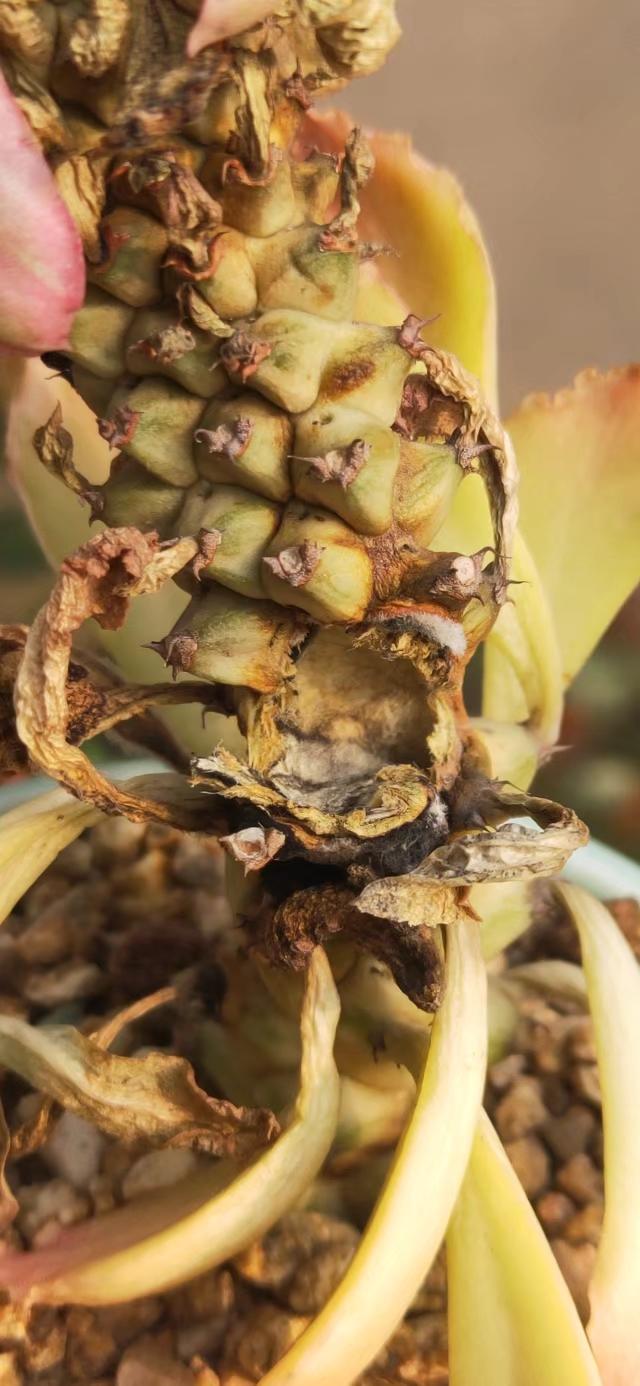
[[299, 447]]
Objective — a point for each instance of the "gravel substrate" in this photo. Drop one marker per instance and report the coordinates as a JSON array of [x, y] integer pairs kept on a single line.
[[126, 910]]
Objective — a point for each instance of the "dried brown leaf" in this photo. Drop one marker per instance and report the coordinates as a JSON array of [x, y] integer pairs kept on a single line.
[[54, 446], [154, 1099], [481, 442], [97, 702], [34, 1132], [99, 580], [309, 917], [505, 853]]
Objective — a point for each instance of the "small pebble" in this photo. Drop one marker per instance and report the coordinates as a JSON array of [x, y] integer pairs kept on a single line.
[[69, 981], [580, 1179], [585, 1226], [39, 1203], [586, 1083], [571, 1133], [157, 1170], [91, 1346], [503, 1073], [74, 1150], [150, 1362], [531, 1163], [521, 1110], [554, 1209]]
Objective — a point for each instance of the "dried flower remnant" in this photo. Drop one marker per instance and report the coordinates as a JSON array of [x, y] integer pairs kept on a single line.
[[253, 848]]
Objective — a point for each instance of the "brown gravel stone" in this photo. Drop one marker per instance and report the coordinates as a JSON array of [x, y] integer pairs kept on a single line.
[[556, 1095], [581, 1043], [554, 1209], [91, 1345], [127, 1321], [255, 1345], [580, 1179], [571, 1133], [585, 1226], [531, 1163], [150, 1362], [503, 1073], [586, 1083], [521, 1110], [45, 1346]]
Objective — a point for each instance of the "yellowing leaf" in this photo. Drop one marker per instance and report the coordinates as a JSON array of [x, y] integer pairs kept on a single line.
[[613, 985], [31, 837], [512, 1321], [579, 459], [522, 671], [505, 911], [173, 1236], [407, 1225]]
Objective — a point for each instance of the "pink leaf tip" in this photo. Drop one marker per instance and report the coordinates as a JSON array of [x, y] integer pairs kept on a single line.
[[41, 262]]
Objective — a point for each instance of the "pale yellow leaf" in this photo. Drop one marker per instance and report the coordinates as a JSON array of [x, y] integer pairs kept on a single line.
[[512, 1321]]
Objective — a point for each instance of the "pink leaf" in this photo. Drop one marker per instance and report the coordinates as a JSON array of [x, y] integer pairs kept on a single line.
[[41, 261], [220, 19]]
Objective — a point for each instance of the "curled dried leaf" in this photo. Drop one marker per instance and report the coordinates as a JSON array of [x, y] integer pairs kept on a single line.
[[308, 917], [54, 446], [97, 702], [488, 853], [99, 580], [154, 1099], [35, 1131], [479, 435]]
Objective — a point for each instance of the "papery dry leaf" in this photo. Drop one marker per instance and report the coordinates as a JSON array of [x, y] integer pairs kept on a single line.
[[482, 443], [54, 446], [511, 852], [8, 1204], [413, 900], [308, 917], [34, 1132], [154, 1099], [99, 580]]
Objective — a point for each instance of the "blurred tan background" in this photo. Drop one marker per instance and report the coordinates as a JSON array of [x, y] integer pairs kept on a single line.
[[536, 108]]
